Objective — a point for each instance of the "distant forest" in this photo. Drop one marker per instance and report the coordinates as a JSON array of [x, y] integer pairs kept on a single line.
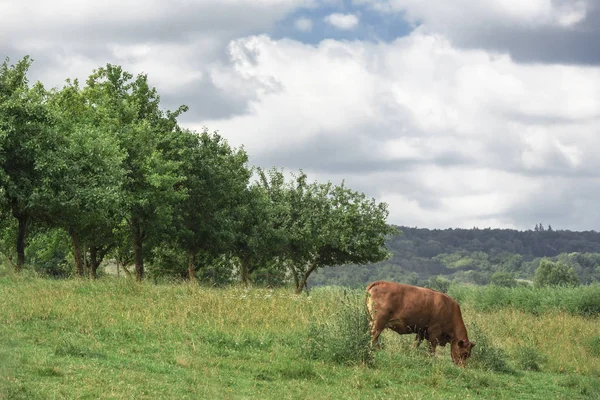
[[472, 256]]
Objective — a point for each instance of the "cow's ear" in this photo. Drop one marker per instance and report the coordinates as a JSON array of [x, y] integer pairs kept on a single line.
[[472, 344]]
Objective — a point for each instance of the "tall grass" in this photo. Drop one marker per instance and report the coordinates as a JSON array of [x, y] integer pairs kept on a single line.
[[122, 339], [344, 336], [582, 300]]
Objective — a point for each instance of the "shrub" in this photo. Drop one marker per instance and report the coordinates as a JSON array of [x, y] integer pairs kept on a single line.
[[485, 355], [438, 283], [344, 338], [503, 279], [588, 303], [529, 358], [551, 273]]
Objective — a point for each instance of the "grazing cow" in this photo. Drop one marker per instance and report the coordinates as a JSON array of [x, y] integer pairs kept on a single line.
[[407, 309]]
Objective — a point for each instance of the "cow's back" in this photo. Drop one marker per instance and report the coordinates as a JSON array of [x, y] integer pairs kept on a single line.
[[410, 308]]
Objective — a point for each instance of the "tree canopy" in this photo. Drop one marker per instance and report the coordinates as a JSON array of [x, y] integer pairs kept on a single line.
[[104, 173]]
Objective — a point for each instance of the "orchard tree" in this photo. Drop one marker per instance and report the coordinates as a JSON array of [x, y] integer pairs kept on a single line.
[[333, 225], [25, 135], [216, 177], [260, 233], [83, 190], [130, 107]]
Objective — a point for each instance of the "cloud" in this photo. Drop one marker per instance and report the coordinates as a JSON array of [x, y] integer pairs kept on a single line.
[[303, 24], [177, 44], [342, 21], [563, 31], [485, 115], [450, 136]]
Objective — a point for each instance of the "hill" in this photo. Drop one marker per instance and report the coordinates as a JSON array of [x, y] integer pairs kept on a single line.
[[473, 256]]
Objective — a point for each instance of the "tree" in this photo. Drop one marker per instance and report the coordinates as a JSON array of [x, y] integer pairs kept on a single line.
[[260, 234], [83, 190], [130, 107], [554, 274], [24, 137], [216, 177], [333, 225]]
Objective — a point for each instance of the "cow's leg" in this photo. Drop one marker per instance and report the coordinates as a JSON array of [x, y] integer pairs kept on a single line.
[[433, 338], [418, 339], [379, 325]]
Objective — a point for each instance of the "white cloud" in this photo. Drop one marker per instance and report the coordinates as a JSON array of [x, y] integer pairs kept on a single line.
[[451, 137], [303, 24], [446, 125], [342, 21]]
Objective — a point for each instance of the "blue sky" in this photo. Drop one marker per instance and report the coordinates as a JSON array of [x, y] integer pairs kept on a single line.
[[373, 25]]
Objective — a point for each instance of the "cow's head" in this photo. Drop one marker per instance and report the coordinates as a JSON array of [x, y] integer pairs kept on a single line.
[[460, 351]]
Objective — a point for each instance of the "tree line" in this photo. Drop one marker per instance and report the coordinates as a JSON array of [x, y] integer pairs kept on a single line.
[[102, 170], [479, 256]]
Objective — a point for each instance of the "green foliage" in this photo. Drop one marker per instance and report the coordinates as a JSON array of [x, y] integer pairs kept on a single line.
[[438, 283], [48, 253], [554, 274], [331, 225], [581, 300], [344, 337], [464, 260], [25, 136], [473, 255], [485, 355], [504, 279], [129, 109], [216, 177]]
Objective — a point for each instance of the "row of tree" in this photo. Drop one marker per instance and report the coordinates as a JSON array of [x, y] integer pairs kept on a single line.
[[105, 165]]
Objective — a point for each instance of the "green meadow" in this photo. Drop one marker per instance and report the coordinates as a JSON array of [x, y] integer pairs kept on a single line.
[[119, 339]]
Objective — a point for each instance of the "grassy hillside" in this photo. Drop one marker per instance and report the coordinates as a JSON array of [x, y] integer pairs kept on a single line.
[[472, 256], [120, 340]]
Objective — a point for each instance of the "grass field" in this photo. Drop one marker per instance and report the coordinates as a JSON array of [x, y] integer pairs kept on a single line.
[[118, 339]]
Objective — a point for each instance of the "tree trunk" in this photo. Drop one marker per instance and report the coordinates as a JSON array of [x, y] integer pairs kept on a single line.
[[136, 233], [77, 253], [305, 279], [191, 265], [86, 269], [295, 275], [21, 234], [245, 271], [94, 262]]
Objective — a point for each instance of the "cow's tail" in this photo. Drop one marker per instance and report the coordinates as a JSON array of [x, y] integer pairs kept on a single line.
[[367, 308], [368, 304]]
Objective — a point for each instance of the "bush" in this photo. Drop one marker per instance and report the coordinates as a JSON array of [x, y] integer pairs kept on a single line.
[[344, 338], [438, 283], [588, 303], [529, 358], [485, 355], [503, 279], [551, 273]]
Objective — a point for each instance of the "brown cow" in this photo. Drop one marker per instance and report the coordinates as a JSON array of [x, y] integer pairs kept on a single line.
[[408, 309]]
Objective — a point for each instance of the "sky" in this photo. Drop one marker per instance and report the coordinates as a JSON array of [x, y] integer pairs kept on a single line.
[[458, 114]]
